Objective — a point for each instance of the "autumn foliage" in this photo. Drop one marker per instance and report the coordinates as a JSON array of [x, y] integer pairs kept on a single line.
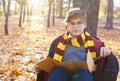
[[25, 46]]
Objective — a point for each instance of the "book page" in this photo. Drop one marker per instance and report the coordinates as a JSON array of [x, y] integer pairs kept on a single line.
[[90, 62], [48, 64]]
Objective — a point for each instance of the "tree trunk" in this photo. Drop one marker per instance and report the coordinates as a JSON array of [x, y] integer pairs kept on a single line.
[[7, 13], [24, 13], [20, 19], [53, 12], [92, 9], [4, 8], [0, 4], [60, 8], [28, 14], [48, 20], [31, 9], [69, 4], [109, 20], [15, 12]]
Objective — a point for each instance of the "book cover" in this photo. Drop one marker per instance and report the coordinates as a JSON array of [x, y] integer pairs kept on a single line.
[[48, 64]]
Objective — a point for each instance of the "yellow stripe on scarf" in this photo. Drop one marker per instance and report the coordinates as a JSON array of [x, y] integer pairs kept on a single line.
[[61, 46], [94, 67], [93, 54], [89, 43], [83, 37], [57, 57], [87, 33], [65, 36], [75, 43]]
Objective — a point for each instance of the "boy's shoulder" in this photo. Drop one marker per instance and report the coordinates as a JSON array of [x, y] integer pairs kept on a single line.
[[98, 43]]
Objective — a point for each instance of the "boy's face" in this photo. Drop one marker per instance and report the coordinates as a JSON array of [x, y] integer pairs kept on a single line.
[[76, 27]]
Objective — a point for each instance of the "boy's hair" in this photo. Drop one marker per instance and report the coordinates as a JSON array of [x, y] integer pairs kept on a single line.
[[76, 13]]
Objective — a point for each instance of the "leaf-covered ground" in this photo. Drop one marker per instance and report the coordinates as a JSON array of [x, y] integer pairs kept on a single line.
[[25, 46]]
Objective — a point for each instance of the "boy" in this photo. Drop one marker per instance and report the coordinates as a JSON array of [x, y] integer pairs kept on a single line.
[[74, 46]]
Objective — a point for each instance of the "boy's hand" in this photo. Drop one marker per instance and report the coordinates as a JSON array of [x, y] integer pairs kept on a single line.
[[104, 51], [37, 69]]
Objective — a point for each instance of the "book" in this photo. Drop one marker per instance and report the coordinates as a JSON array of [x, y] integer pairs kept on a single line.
[[72, 66], [46, 64]]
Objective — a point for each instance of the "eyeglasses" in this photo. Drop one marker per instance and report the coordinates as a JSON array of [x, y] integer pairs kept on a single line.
[[78, 24]]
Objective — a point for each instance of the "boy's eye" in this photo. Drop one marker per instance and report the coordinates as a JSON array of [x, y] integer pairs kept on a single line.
[[79, 22], [72, 23]]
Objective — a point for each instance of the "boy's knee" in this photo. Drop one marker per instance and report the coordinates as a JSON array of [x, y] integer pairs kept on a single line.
[[59, 70], [58, 74], [82, 75]]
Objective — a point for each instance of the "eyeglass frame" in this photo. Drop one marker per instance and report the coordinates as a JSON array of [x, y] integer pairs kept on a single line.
[[78, 24]]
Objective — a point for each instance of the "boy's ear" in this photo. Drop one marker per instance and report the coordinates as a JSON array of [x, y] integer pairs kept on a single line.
[[66, 26], [85, 24]]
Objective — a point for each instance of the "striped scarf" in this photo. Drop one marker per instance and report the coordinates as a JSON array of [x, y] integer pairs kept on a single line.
[[83, 39]]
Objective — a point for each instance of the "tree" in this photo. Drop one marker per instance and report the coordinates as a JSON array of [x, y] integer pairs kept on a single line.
[[30, 14], [53, 2], [49, 12], [92, 9], [15, 12], [69, 1], [59, 8], [109, 20], [23, 10], [0, 6], [20, 18], [6, 13]]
